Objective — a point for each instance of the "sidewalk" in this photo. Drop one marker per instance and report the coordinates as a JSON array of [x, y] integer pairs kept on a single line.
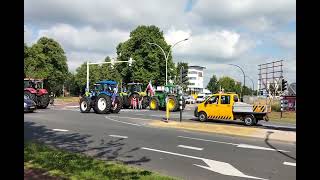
[[244, 131]]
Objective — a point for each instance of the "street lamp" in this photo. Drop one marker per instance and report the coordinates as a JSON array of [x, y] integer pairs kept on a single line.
[[252, 84], [166, 56], [244, 77]]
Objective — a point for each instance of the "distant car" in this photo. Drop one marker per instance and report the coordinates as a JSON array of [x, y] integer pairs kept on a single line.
[[190, 100], [29, 105], [200, 98]]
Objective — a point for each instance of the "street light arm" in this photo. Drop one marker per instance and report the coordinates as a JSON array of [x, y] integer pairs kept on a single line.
[[170, 50], [159, 47]]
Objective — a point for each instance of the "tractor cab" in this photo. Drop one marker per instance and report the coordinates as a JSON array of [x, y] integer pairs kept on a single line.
[[105, 87], [134, 87]]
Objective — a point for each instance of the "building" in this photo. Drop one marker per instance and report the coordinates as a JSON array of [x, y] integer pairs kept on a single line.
[[195, 75]]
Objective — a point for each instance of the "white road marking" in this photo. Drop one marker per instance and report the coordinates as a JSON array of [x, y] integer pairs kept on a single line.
[[123, 122], [289, 163], [62, 130], [215, 166], [247, 146], [118, 136], [72, 106], [190, 147]]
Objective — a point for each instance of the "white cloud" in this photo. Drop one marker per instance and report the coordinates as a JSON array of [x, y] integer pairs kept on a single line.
[[286, 40], [215, 44], [85, 38]]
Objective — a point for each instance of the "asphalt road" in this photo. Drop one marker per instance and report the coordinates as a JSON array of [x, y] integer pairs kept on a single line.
[[185, 154]]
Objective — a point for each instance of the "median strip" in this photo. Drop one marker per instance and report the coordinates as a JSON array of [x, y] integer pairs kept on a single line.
[[244, 131]]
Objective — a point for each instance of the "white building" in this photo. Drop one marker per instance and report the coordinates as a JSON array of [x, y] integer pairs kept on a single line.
[[195, 75]]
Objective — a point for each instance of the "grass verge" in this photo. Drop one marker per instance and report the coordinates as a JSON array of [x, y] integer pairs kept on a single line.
[[67, 99], [69, 165], [287, 117]]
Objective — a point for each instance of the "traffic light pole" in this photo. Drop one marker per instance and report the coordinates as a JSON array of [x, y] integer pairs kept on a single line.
[[180, 94]]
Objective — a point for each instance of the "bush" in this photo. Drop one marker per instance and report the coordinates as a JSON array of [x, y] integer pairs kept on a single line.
[[276, 107]]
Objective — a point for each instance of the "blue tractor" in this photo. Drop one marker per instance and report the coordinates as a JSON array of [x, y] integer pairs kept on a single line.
[[104, 98]]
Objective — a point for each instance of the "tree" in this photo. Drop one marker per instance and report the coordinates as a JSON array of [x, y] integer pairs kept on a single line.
[[149, 60], [46, 60], [227, 83], [213, 85], [81, 76]]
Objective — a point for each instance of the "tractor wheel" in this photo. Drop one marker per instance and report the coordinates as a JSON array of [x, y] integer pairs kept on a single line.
[[137, 98], [183, 103], [173, 104], [117, 105], [145, 102], [102, 104], [125, 101], [31, 96], [43, 101], [154, 103], [85, 105]]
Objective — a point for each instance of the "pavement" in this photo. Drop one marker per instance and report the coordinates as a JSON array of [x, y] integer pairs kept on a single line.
[[128, 137]]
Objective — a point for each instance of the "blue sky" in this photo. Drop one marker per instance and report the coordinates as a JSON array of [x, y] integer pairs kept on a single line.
[[246, 33]]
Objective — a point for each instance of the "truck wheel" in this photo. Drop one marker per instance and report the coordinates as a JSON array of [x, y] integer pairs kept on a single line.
[[173, 103], [85, 105], [102, 104], [249, 120], [117, 105], [154, 103], [202, 116]]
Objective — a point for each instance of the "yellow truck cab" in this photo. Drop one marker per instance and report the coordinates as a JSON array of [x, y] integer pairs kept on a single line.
[[227, 106]]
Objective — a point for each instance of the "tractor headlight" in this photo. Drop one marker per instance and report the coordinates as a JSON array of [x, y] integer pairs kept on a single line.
[[25, 104]]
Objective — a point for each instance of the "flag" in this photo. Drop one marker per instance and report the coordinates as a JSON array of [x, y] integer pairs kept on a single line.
[[150, 88]]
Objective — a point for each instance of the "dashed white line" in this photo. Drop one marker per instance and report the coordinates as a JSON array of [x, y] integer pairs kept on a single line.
[[289, 163], [190, 147], [206, 140], [123, 122], [118, 136], [130, 118], [62, 130]]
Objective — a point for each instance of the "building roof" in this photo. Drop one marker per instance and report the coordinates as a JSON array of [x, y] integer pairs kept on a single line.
[[197, 67]]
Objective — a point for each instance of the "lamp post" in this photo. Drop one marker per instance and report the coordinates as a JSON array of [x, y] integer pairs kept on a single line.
[[244, 77], [166, 56]]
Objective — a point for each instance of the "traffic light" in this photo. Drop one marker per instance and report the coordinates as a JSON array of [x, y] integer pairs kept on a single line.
[[183, 75], [130, 61], [284, 85]]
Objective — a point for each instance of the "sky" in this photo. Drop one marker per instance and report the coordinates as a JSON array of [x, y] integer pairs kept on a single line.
[[221, 32]]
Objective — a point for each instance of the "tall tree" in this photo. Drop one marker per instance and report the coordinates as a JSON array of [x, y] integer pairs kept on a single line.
[[227, 83], [149, 62], [46, 59], [213, 85]]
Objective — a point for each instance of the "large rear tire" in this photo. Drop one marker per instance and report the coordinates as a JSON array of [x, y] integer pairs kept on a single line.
[[249, 120], [43, 101], [125, 101], [154, 103], [117, 105], [172, 103], [85, 105], [145, 102], [102, 104]]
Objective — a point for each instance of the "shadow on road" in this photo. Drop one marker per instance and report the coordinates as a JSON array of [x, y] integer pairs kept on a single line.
[[271, 146], [75, 142]]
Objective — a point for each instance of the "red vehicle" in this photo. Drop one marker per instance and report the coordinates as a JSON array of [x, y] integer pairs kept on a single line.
[[34, 89]]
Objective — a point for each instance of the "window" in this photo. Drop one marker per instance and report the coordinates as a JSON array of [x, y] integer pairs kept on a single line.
[[213, 100], [200, 74], [191, 84], [192, 78], [192, 72], [225, 99]]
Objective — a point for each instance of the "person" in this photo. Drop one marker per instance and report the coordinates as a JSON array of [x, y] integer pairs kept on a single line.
[[134, 102], [140, 102]]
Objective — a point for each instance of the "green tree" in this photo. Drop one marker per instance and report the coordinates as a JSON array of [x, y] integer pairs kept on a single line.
[[81, 75], [227, 83], [46, 60], [149, 62], [213, 85]]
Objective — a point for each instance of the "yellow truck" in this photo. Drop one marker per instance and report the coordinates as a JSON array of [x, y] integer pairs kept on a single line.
[[227, 106]]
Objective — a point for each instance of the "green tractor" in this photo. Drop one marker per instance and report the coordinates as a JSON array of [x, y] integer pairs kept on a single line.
[[158, 101], [134, 90]]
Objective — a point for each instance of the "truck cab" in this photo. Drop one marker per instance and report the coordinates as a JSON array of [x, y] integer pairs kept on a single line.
[[227, 106]]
